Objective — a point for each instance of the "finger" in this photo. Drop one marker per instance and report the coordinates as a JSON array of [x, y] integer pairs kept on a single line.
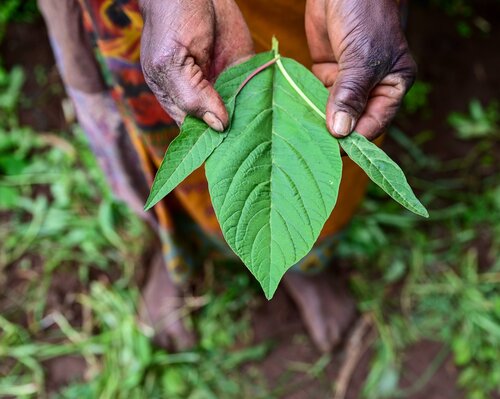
[[347, 100], [316, 27], [182, 89], [326, 72], [382, 106]]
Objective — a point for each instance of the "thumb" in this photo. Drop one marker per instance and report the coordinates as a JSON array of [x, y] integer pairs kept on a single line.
[[347, 100], [197, 97], [182, 89]]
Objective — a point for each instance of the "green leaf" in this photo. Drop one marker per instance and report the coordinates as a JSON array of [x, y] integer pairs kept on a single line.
[[274, 179], [9, 197], [274, 175], [382, 170], [197, 140]]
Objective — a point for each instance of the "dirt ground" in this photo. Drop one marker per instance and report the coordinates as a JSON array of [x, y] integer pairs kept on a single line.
[[458, 69]]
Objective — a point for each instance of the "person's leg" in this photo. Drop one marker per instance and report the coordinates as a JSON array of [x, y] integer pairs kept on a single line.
[[326, 306], [162, 308], [103, 124]]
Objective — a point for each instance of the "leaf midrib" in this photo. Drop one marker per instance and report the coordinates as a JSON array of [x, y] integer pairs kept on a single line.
[[311, 105], [298, 90], [269, 287]]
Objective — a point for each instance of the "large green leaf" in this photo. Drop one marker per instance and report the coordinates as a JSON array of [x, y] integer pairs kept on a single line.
[[274, 175], [274, 179], [382, 170], [197, 140]]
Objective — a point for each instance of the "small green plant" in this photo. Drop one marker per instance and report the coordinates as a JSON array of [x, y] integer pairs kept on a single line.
[[274, 175], [16, 11], [129, 366], [481, 122], [59, 218], [121, 360], [416, 99], [11, 83], [418, 284]]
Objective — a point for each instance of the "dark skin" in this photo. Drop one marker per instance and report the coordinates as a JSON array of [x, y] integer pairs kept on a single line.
[[185, 46], [359, 52]]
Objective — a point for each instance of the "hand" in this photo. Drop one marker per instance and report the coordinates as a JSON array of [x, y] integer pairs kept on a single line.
[[185, 45], [359, 51]]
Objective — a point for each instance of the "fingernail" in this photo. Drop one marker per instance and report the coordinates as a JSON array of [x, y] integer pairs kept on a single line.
[[342, 123], [212, 121]]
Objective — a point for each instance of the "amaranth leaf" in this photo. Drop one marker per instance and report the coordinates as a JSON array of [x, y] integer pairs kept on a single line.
[[274, 179], [382, 170]]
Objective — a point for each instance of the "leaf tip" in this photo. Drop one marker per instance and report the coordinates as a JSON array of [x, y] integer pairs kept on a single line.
[[270, 294], [270, 288], [150, 202], [420, 209]]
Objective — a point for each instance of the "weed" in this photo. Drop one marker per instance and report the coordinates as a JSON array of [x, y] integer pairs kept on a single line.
[[480, 122], [424, 281], [416, 99], [58, 216]]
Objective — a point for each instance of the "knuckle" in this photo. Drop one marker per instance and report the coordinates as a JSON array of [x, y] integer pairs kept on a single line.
[[368, 54], [375, 57], [405, 69], [350, 96], [162, 64], [190, 104]]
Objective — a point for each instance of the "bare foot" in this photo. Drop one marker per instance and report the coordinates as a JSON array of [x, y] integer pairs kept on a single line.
[[161, 308], [325, 305]]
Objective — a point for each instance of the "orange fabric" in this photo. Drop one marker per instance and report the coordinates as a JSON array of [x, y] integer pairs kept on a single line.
[[281, 18]]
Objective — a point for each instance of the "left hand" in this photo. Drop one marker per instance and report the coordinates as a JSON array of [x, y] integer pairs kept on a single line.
[[360, 53]]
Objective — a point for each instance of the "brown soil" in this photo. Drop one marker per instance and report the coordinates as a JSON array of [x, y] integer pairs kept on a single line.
[[458, 69], [28, 45]]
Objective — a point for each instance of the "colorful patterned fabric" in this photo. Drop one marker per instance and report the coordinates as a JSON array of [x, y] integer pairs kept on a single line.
[[186, 221]]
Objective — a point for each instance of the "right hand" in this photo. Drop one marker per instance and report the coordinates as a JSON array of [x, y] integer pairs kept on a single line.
[[360, 53], [185, 45]]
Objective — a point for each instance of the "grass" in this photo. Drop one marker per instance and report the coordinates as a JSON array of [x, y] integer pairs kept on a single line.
[[16, 10], [60, 225], [436, 280]]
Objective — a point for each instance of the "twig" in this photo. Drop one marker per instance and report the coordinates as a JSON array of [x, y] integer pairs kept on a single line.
[[426, 376], [355, 349]]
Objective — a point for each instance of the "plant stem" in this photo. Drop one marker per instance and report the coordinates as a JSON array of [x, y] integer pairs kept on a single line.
[[255, 72], [277, 60]]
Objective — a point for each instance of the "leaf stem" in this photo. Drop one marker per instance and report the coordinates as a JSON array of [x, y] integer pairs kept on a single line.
[[255, 72], [275, 46], [292, 83]]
